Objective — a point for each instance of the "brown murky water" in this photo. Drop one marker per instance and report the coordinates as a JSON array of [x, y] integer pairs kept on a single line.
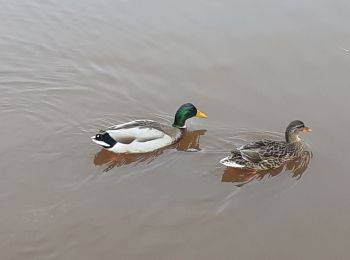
[[69, 68]]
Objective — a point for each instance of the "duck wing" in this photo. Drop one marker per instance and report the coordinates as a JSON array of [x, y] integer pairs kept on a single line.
[[138, 130], [262, 150], [142, 124]]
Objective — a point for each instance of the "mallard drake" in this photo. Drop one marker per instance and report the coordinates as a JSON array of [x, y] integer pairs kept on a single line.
[[268, 154], [142, 136]]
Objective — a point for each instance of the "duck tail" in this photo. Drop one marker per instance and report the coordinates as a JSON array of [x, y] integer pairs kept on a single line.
[[104, 139], [230, 162], [235, 151]]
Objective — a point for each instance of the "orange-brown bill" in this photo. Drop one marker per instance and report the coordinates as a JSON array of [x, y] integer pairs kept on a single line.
[[307, 130]]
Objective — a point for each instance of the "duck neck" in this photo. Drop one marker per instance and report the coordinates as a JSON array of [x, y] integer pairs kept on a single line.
[[180, 125], [180, 120], [292, 137]]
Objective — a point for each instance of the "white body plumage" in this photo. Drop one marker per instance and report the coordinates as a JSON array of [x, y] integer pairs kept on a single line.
[[139, 136]]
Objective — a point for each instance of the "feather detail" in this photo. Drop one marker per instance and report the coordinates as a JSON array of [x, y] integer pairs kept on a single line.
[[139, 136]]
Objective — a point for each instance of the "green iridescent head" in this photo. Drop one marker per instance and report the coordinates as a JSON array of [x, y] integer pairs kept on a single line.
[[185, 112]]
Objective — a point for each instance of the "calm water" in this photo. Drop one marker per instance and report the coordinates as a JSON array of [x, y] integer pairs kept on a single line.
[[69, 68]]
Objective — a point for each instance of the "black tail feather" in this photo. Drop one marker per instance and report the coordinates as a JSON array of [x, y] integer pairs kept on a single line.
[[105, 137]]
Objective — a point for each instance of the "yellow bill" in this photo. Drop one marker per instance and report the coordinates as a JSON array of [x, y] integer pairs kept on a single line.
[[201, 114]]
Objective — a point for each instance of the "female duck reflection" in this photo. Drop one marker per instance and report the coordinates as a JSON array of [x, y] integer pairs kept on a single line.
[[241, 177], [189, 142]]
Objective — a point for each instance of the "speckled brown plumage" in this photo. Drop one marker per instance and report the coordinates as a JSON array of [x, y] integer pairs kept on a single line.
[[269, 154]]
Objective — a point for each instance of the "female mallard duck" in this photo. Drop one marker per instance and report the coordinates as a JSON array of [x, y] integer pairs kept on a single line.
[[142, 136], [268, 154]]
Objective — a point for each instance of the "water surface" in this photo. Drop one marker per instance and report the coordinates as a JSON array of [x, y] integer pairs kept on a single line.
[[70, 68]]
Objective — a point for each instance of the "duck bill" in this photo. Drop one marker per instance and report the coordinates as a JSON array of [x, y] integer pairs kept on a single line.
[[307, 130], [201, 114]]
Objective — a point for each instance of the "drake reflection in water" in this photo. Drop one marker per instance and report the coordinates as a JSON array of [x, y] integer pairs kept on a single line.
[[189, 142], [242, 177]]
